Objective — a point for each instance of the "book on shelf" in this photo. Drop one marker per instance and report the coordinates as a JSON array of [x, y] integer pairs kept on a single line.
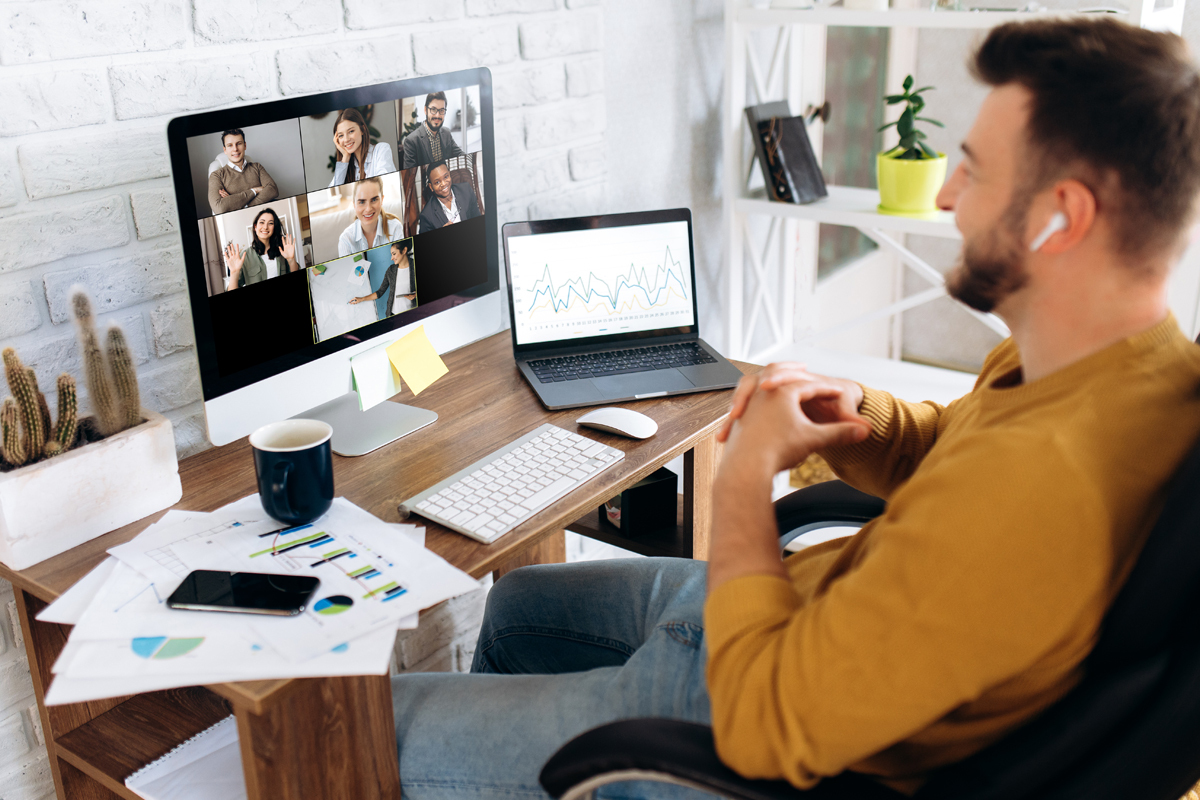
[[207, 766], [785, 153]]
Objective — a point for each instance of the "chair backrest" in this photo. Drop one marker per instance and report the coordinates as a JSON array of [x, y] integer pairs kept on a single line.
[[1131, 728], [221, 160]]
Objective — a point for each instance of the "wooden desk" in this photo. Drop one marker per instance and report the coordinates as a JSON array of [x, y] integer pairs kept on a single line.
[[335, 737]]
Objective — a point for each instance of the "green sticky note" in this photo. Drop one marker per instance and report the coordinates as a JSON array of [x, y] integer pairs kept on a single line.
[[373, 377]]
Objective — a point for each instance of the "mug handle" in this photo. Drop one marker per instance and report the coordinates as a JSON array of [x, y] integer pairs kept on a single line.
[[279, 486]]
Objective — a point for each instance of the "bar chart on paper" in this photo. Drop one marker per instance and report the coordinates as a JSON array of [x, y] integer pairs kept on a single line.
[[601, 281]]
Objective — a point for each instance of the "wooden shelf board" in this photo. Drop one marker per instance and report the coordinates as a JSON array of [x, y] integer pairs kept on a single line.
[[893, 17], [145, 727], [674, 543], [849, 205]]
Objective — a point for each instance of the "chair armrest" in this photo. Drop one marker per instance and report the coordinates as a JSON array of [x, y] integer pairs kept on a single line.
[[673, 751], [821, 505]]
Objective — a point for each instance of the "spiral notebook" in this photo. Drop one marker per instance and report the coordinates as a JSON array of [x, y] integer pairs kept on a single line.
[[207, 766]]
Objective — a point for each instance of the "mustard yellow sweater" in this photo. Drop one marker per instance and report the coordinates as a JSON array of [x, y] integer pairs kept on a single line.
[[1014, 514]]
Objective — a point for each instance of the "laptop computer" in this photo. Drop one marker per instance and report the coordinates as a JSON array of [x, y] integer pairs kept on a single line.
[[603, 309]]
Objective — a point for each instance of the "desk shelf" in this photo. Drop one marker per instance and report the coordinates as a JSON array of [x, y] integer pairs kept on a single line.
[[140, 730], [672, 542]]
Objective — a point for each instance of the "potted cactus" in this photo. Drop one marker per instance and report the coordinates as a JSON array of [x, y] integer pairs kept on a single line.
[[912, 172], [66, 480]]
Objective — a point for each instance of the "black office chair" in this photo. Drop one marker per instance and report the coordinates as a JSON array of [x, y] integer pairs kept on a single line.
[[1129, 731]]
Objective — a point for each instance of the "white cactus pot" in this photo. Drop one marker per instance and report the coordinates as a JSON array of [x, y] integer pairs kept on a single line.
[[51, 506]]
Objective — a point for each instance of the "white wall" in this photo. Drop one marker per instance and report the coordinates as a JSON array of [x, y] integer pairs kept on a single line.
[[87, 89]]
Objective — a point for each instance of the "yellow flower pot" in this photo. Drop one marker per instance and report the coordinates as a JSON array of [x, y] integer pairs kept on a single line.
[[910, 187]]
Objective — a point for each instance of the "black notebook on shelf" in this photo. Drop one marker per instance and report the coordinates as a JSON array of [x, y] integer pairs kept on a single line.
[[785, 153]]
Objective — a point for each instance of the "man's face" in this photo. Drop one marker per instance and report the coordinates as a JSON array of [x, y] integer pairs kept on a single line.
[[235, 148], [439, 181], [990, 204], [435, 114]]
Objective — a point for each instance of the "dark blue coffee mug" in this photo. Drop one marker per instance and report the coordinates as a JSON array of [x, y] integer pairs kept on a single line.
[[294, 463]]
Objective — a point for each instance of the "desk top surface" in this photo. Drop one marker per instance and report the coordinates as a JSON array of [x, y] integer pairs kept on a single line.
[[482, 404]]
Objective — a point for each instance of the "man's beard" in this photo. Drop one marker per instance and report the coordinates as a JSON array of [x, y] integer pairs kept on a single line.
[[434, 123], [989, 271]]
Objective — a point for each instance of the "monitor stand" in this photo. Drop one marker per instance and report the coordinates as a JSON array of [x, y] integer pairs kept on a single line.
[[356, 433]]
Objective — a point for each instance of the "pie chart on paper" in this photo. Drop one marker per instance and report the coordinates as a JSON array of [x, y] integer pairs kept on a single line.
[[335, 604], [161, 647]]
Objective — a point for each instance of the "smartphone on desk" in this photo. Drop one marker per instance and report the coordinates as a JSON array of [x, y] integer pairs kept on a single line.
[[243, 592]]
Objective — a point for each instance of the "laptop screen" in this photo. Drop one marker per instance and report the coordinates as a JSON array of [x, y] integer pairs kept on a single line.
[[606, 281]]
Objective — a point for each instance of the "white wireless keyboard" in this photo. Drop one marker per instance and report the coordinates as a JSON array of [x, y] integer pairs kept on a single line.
[[501, 490]]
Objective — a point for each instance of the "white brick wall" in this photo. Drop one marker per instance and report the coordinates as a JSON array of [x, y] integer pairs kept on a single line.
[[24, 769], [87, 88]]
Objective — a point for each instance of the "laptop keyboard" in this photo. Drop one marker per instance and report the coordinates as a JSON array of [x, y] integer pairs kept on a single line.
[[620, 362]]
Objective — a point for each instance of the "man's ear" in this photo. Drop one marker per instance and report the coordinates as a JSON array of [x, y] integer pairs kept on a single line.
[[1076, 204]]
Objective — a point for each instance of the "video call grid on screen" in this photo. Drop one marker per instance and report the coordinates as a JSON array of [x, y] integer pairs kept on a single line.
[[600, 282], [347, 206]]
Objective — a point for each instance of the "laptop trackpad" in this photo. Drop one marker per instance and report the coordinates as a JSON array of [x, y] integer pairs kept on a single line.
[[662, 380]]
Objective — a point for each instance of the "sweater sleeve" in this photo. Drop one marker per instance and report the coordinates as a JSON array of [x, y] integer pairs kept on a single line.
[[222, 205], [268, 191], [949, 596], [901, 434]]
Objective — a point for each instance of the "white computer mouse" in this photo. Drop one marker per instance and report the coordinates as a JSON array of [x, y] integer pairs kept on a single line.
[[621, 421]]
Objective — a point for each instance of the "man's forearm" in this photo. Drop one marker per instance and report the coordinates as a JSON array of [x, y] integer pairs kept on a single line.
[[745, 537]]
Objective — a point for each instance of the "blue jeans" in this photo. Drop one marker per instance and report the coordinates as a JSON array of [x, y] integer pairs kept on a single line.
[[563, 649]]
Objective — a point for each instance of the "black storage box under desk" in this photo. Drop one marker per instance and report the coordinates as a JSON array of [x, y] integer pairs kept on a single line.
[[649, 505]]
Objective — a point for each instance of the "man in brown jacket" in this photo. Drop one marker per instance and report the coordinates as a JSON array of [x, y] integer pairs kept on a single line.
[[242, 182]]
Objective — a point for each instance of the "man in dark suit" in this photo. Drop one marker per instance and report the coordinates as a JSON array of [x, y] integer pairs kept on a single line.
[[431, 142], [451, 202]]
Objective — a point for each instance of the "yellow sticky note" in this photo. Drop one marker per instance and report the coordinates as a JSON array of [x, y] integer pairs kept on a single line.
[[375, 378], [415, 359]]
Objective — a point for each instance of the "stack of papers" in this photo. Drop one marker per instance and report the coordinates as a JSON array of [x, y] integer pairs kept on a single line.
[[375, 577]]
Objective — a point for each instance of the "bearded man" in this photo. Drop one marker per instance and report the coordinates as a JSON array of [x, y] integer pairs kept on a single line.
[[430, 142], [1014, 513]]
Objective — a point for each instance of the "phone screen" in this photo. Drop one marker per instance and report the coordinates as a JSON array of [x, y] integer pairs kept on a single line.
[[249, 592]]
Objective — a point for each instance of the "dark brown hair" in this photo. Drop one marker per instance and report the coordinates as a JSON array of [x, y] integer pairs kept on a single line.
[[429, 98], [274, 248], [1114, 106]]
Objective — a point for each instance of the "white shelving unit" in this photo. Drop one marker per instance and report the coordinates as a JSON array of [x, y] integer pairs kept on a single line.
[[779, 240]]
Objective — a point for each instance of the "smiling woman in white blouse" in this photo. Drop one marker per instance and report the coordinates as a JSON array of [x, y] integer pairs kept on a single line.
[[357, 158], [372, 226]]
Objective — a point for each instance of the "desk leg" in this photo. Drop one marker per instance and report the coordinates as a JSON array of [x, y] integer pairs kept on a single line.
[[551, 550], [330, 737], [43, 643], [699, 469]]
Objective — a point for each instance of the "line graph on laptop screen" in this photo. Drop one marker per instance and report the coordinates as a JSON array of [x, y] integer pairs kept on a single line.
[[603, 281]]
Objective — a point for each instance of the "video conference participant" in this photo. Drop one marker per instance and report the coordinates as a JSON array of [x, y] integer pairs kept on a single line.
[[372, 226], [248, 266], [357, 158], [431, 142], [451, 203], [242, 182], [398, 274]]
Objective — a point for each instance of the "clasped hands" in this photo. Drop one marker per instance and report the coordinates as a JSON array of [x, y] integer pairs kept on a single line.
[[784, 413]]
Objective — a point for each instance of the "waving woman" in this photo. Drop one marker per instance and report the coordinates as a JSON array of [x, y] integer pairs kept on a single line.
[[270, 255], [372, 225], [357, 158]]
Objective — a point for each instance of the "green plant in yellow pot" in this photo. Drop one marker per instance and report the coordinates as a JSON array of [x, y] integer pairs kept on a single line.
[[912, 172]]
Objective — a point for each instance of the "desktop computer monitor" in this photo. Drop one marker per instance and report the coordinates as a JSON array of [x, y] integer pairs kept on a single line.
[[315, 228]]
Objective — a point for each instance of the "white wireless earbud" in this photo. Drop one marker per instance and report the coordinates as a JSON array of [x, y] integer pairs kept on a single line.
[[1057, 223]]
